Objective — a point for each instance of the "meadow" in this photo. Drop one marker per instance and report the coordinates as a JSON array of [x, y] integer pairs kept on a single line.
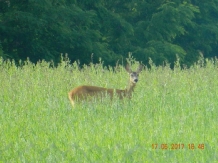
[[172, 116]]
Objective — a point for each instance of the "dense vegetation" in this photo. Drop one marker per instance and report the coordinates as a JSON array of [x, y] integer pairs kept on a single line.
[[160, 29], [174, 109]]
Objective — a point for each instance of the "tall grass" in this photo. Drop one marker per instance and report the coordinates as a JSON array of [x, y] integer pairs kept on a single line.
[[169, 109]]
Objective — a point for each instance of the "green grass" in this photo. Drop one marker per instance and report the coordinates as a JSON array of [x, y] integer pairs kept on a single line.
[[38, 124]]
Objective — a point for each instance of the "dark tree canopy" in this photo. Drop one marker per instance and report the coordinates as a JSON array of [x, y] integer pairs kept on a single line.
[[161, 30]]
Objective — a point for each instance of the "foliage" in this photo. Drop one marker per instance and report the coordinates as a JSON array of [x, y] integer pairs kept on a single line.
[[89, 30], [161, 29]]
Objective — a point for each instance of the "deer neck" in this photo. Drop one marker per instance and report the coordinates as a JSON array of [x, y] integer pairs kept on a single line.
[[129, 90]]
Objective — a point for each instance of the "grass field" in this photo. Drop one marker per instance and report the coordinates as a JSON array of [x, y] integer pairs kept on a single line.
[[172, 117]]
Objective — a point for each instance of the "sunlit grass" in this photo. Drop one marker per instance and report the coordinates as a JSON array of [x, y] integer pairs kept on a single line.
[[168, 107]]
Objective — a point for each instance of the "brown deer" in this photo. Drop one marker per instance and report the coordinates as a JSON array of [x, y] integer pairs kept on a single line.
[[85, 92]]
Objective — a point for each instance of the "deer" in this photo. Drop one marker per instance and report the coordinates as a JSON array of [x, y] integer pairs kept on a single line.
[[85, 92]]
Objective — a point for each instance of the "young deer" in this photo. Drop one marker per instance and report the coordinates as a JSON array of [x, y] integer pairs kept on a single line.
[[84, 92]]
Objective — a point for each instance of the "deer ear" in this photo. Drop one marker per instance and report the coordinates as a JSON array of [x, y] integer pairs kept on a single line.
[[128, 69], [139, 69]]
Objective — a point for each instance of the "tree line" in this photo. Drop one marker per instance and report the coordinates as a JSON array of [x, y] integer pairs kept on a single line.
[[162, 30]]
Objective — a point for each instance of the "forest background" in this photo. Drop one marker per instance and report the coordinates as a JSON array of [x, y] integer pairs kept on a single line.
[[87, 30]]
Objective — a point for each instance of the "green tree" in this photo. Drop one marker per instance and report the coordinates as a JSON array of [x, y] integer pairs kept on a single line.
[[44, 29], [162, 30], [158, 26], [203, 35]]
